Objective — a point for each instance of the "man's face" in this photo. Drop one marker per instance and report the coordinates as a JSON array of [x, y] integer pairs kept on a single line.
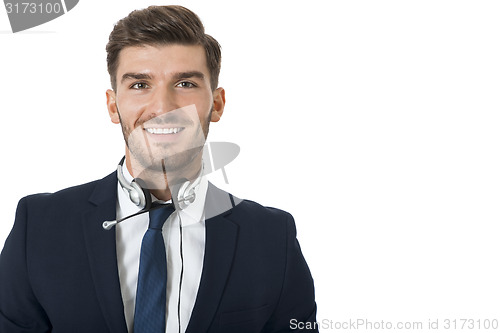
[[164, 103]]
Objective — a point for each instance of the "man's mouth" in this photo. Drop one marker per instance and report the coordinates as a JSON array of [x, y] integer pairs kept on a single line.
[[171, 130]]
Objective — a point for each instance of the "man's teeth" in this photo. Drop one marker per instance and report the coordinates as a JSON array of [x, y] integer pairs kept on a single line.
[[164, 130]]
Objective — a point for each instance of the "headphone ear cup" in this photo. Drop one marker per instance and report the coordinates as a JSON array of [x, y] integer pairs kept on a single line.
[[136, 195], [191, 196], [186, 195]]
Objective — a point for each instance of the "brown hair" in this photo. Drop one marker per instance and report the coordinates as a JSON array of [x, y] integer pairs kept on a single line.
[[162, 25]]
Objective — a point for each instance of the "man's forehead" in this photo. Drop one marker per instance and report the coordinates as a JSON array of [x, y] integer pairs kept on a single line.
[[170, 57]]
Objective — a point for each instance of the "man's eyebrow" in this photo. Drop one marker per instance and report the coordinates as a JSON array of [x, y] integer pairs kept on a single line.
[[136, 76], [187, 75]]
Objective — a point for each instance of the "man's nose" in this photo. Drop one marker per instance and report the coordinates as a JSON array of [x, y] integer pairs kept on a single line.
[[163, 100]]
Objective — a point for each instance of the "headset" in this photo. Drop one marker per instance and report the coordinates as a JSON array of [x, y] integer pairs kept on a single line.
[[141, 197]]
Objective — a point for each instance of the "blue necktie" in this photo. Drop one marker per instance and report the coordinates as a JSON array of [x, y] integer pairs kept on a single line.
[[151, 297]]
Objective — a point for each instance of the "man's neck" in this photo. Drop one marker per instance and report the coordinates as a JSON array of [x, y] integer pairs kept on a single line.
[[162, 184]]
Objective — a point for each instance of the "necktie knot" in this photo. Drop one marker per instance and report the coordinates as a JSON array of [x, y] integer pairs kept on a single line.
[[159, 215]]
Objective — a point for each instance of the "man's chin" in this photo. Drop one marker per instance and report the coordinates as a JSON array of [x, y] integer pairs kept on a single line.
[[172, 166]]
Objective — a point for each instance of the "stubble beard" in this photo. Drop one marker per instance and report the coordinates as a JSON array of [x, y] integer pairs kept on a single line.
[[156, 161]]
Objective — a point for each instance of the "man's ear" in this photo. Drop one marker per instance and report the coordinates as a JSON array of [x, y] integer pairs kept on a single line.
[[219, 103], [112, 108]]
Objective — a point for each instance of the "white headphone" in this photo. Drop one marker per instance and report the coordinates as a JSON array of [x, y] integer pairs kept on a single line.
[[140, 196]]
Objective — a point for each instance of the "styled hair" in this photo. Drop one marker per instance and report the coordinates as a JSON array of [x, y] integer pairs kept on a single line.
[[162, 25]]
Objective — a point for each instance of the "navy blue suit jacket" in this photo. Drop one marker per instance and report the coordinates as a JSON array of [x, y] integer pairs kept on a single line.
[[58, 268]]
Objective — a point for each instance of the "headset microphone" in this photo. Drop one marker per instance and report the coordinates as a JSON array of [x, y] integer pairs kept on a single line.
[[107, 225], [140, 196]]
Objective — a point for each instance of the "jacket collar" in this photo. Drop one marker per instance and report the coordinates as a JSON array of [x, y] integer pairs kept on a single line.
[[101, 250], [220, 245]]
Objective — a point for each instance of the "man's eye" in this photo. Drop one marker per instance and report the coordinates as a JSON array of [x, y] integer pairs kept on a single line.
[[139, 85], [185, 84]]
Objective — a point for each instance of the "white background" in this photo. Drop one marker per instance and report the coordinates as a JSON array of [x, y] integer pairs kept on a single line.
[[375, 123]]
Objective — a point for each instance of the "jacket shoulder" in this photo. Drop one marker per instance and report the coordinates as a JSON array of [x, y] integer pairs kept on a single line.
[[248, 214], [255, 209], [253, 215]]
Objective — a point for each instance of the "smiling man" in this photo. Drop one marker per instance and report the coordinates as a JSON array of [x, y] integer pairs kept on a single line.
[[164, 101], [154, 247]]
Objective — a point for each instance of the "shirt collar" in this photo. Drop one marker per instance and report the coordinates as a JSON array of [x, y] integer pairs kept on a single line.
[[193, 213]]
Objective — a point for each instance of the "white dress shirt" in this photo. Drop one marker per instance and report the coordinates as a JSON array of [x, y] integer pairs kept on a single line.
[[129, 234]]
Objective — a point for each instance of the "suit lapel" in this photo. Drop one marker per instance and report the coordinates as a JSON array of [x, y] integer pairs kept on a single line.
[[101, 249], [220, 245]]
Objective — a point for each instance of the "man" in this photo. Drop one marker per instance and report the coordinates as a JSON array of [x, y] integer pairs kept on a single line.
[[174, 254]]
